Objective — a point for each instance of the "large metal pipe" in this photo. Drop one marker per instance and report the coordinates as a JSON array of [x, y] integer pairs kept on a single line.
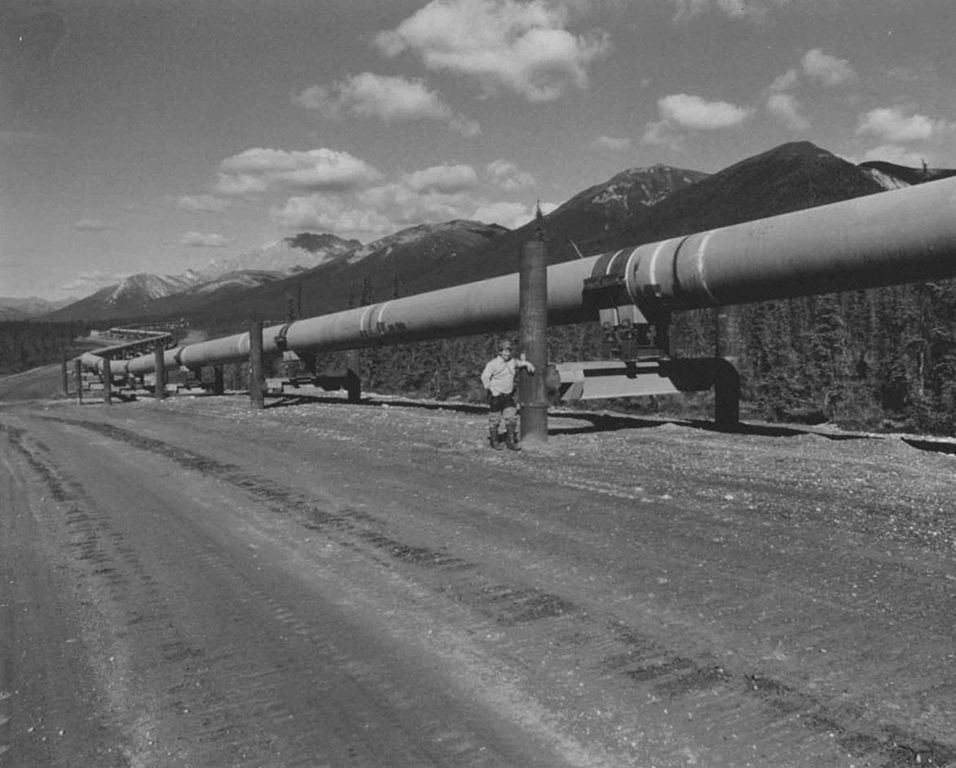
[[907, 235], [895, 237]]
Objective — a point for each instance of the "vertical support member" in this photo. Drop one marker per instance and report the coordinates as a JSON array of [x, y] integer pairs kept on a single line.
[[257, 383], [533, 332], [726, 376], [107, 378], [78, 372], [218, 380], [159, 361]]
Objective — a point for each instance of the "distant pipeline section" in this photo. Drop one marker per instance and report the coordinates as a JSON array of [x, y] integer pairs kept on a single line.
[[896, 237]]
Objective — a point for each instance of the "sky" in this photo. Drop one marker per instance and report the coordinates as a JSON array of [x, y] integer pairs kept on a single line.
[[158, 135]]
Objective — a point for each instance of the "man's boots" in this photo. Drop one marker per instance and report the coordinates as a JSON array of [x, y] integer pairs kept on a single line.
[[493, 438], [511, 437]]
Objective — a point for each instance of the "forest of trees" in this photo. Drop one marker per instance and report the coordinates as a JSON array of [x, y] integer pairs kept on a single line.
[[26, 344], [876, 359]]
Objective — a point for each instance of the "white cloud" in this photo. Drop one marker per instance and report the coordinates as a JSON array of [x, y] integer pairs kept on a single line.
[[697, 114], [202, 204], [388, 98], [256, 170], [611, 144], [892, 125], [510, 215], [383, 210], [91, 225], [199, 240], [240, 184], [332, 213], [428, 196], [523, 47], [681, 112], [663, 134], [827, 70], [816, 67], [787, 110], [445, 179], [506, 175], [785, 82], [405, 206]]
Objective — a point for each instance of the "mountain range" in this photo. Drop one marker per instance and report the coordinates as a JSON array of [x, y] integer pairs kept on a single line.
[[24, 309], [313, 273]]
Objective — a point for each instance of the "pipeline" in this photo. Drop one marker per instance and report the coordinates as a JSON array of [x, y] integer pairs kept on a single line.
[[903, 236]]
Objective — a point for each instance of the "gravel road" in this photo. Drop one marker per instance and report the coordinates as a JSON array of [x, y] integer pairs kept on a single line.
[[194, 583]]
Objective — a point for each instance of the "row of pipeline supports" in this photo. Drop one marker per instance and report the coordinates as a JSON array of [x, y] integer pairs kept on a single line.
[[902, 236], [159, 343], [259, 384], [640, 368]]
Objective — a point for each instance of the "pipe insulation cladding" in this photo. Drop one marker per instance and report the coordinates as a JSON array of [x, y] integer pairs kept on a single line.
[[903, 236]]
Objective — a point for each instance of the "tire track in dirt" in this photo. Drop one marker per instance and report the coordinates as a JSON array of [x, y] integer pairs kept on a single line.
[[262, 689], [701, 689], [55, 690]]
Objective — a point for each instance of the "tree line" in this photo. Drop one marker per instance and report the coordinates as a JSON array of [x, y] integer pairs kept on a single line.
[[876, 359], [882, 358], [26, 344]]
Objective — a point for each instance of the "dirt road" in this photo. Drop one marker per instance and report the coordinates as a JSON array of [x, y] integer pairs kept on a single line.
[[192, 583]]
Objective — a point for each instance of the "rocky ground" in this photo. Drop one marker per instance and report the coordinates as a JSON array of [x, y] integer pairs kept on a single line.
[[194, 583]]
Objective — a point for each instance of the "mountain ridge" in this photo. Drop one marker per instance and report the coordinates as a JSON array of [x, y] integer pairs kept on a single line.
[[632, 207]]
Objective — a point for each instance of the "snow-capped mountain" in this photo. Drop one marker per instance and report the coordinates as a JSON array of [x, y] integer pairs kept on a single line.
[[275, 261], [892, 176], [146, 287], [451, 237], [303, 251], [632, 189]]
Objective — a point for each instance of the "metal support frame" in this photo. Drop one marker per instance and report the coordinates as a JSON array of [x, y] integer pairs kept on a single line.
[[218, 380], [107, 379], [78, 371], [329, 381], [159, 350], [533, 333], [257, 388], [606, 379]]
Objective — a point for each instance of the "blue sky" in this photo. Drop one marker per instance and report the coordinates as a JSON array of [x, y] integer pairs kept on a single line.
[[156, 135]]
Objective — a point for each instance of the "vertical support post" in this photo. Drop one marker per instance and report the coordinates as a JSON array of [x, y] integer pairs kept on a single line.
[[106, 376], [353, 382], [257, 382], [353, 386], [533, 333], [726, 394], [65, 375], [78, 372], [218, 380], [159, 353], [726, 378]]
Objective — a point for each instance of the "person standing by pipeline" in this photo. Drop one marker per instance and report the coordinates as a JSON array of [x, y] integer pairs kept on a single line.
[[498, 379]]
